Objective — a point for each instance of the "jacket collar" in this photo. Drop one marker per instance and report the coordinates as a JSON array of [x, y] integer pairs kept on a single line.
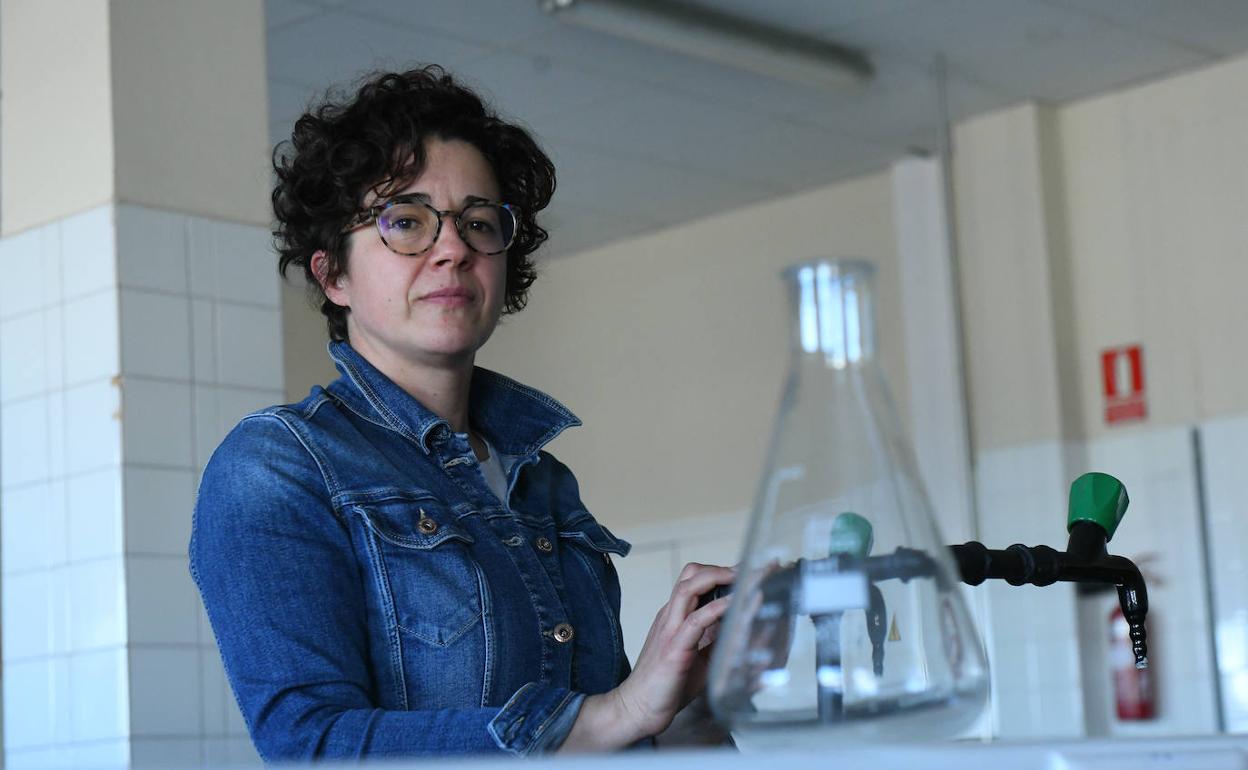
[[517, 420]]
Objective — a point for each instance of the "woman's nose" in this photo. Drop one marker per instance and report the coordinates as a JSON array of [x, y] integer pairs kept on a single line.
[[451, 246]]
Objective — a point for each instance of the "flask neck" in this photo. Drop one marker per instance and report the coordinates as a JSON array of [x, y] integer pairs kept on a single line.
[[833, 305]]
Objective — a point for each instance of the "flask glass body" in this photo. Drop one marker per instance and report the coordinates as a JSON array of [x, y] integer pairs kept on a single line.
[[847, 620]]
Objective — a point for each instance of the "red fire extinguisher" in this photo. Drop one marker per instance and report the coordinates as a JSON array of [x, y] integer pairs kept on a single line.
[[1133, 687]]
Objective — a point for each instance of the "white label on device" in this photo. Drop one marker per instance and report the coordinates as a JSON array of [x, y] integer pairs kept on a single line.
[[833, 592]]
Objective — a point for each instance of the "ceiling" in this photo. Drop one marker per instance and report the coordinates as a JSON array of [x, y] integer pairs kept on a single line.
[[644, 138]]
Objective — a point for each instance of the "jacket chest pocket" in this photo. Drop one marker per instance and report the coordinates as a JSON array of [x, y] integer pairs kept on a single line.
[[421, 561]]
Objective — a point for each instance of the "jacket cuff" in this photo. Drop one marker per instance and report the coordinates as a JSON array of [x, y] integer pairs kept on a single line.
[[536, 719]]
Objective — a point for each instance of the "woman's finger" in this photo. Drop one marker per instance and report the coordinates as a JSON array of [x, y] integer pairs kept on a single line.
[[698, 622], [688, 593]]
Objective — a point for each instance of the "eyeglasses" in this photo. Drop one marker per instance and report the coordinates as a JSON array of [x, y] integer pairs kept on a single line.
[[410, 226]]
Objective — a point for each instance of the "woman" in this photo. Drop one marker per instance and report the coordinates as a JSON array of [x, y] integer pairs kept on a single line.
[[394, 566]]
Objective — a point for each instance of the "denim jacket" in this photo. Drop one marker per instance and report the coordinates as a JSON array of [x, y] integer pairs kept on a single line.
[[371, 596]]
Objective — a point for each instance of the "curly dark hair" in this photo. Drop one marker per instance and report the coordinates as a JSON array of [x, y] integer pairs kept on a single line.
[[375, 140]]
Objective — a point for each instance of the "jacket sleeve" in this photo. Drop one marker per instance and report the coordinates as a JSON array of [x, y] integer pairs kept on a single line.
[[284, 594]]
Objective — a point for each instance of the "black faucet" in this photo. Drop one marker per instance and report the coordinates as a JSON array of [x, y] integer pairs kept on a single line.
[[1097, 504]]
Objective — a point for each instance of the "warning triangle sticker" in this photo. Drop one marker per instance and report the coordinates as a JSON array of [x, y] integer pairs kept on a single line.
[[893, 636]]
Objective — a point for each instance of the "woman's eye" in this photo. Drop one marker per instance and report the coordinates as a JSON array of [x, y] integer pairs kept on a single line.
[[405, 224]]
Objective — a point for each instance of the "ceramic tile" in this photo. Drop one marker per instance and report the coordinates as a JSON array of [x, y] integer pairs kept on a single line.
[[157, 422], [101, 707], [151, 249], [155, 335], [208, 425], [646, 579], [1012, 710], [216, 752], [203, 341], [242, 754], [26, 531], [26, 609], [163, 753], [37, 516], [95, 515], [62, 695], [53, 758], [237, 403], [97, 601], [22, 291], [105, 755], [249, 346], [201, 255], [1059, 712], [90, 332], [215, 692], [32, 269], [206, 638], [164, 691], [162, 601], [61, 610], [93, 413], [1235, 701], [24, 441], [234, 724], [58, 435], [158, 510], [54, 348], [89, 249], [246, 265], [23, 339], [29, 712]]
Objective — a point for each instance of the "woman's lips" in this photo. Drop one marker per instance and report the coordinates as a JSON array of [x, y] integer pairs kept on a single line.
[[449, 297]]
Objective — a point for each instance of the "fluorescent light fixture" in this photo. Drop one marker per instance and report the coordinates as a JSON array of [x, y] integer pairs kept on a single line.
[[721, 38]]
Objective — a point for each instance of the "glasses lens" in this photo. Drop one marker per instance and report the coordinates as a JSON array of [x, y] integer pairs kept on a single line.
[[408, 228], [487, 227]]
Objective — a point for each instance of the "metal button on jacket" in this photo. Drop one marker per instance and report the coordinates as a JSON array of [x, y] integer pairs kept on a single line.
[[427, 526], [563, 633], [543, 545]]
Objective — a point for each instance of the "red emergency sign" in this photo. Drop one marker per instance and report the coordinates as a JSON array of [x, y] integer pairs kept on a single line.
[[1122, 374]]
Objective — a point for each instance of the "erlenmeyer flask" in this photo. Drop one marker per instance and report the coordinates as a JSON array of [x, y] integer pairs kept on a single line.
[[847, 621]]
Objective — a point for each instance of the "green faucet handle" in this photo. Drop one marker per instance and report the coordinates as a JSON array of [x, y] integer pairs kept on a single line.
[[852, 535], [1098, 498]]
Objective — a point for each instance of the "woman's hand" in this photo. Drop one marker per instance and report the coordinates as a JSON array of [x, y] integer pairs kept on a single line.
[[670, 672]]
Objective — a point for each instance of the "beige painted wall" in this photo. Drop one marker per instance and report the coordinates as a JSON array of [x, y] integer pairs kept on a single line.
[[304, 339], [56, 116], [673, 347], [1155, 189], [191, 134], [129, 102], [1005, 245]]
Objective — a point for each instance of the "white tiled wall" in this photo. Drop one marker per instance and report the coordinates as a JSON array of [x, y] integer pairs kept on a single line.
[[131, 340], [63, 598], [1224, 445], [201, 347], [1030, 635], [1161, 533]]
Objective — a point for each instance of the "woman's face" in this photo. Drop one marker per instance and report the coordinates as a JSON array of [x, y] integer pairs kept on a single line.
[[435, 308]]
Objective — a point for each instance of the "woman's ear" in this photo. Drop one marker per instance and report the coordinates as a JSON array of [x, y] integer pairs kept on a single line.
[[334, 289]]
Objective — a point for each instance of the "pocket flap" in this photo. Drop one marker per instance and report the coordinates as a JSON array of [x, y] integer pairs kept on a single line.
[[399, 522], [584, 528]]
